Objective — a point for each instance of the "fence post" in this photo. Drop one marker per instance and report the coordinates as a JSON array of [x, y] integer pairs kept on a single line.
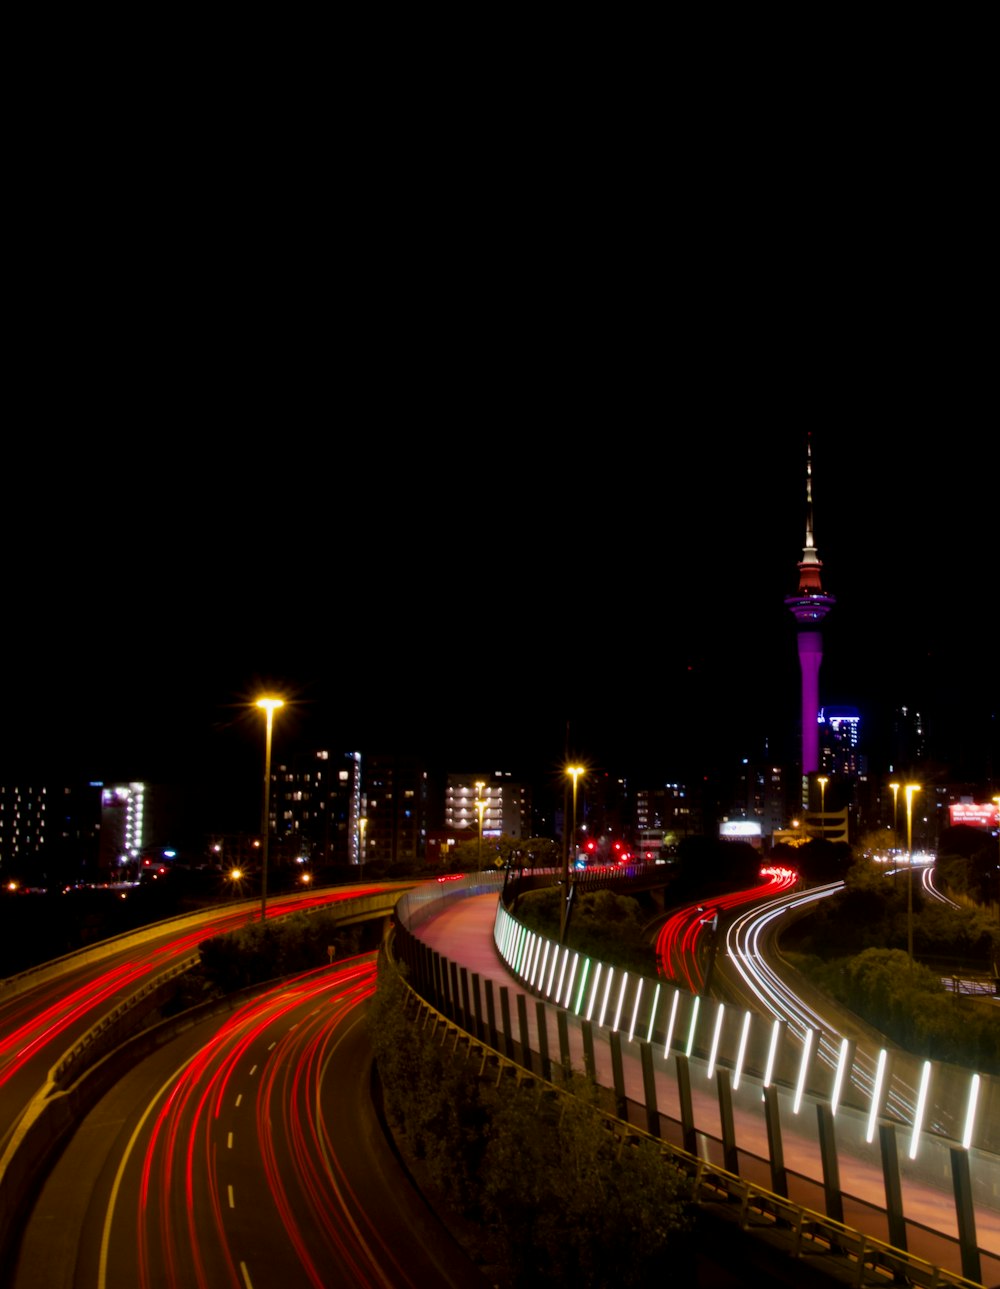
[[491, 1017], [508, 1037], [831, 1164], [962, 1183], [563, 1026], [730, 1155], [893, 1189], [687, 1107], [649, 1088], [779, 1177], [618, 1075], [541, 1017], [522, 1029], [477, 1005]]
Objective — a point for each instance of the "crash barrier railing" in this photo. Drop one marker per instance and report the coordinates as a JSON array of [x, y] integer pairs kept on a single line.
[[864, 1137], [966, 1106], [860, 1259], [98, 1058], [115, 1025]]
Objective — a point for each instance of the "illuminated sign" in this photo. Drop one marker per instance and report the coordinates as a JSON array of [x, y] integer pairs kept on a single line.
[[740, 828], [974, 815]]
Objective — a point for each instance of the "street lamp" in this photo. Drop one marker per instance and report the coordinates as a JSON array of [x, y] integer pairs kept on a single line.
[[997, 800], [895, 804], [910, 789], [481, 807], [362, 825], [574, 772], [822, 781], [269, 706]]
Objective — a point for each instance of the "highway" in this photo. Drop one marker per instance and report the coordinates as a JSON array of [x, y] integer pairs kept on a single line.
[[244, 1154], [45, 1012]]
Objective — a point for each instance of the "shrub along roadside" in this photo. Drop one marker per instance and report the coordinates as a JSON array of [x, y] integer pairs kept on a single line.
[[603, 925], [910, 1006], [254, 954], [542, 1179]]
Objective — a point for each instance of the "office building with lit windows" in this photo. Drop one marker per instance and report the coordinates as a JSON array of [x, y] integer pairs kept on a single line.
[[662, 817], [315, 805], [23, 831], [397, 796], [123, 827], [839, 738], [49, 833], [506, 804]]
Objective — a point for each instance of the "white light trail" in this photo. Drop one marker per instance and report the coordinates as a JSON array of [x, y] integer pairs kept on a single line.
[[918, 1118], [670, 1025]]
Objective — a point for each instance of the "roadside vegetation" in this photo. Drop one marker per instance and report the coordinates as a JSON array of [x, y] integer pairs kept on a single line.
[[256, 954], [602, 925], [543, 1190], [853, 946]]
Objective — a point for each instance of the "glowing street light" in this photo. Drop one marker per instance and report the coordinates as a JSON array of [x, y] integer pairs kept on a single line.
[[574, 772], [822, 781], [481, 807], [895, 804], [269, 706], [362, 825], [910, 789]]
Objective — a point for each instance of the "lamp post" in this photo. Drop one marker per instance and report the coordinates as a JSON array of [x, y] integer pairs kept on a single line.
[[481, 807], [269, 706], [574, 772], [997, 800], [822, 781], [895, 804], [362, 825], [910, 789]]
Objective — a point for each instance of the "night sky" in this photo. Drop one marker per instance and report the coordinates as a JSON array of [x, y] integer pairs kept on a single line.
[[451, 482], [634, 591]]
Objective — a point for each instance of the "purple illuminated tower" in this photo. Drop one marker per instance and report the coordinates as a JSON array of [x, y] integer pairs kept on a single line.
[[809, 607]]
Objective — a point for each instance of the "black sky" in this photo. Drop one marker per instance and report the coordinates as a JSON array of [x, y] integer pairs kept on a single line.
[[631, 594], [455, 461]]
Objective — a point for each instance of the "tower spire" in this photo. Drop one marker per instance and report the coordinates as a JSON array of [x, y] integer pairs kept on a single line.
[[809, 606], [810, 564]]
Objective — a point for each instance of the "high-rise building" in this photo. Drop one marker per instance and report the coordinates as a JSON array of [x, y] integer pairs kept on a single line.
[[315, 806], [396, 808], [124, 830], [49, 833], [662, 818], [840, 742], [809, 606], [506, 804], [23, 831]]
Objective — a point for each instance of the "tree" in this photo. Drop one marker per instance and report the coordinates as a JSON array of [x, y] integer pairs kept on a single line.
[[546, 1179]]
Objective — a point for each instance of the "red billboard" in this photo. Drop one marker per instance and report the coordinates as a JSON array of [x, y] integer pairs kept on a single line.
[[974, 814]]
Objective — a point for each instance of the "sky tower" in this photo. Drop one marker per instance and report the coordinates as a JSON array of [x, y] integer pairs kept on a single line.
[[809, 606]]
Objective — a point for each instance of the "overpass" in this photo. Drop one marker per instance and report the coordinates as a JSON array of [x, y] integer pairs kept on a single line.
[[740, 1118]]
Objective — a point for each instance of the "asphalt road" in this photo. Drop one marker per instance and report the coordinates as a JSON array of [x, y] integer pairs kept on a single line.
[[245, 1153]]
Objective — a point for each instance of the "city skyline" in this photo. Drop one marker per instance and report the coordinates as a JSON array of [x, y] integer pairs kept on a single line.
[[658, 639]]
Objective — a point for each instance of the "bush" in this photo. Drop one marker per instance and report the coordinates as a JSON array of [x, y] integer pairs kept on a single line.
[[603, 925], [548, 1181], [256, 953], [910, 1006]]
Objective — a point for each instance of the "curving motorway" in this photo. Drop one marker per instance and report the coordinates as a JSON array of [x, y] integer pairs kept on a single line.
[[245, 1154]]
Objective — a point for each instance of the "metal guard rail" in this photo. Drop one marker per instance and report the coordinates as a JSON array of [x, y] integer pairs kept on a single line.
[[803, 1230]]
